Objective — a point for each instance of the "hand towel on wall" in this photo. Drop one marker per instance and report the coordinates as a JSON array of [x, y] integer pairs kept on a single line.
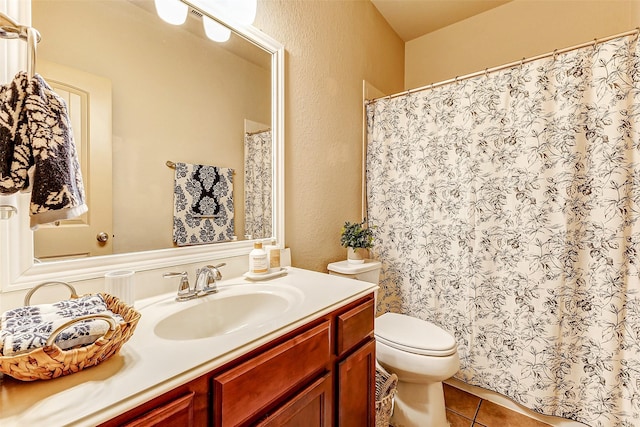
[[35, 134], [203, 204]]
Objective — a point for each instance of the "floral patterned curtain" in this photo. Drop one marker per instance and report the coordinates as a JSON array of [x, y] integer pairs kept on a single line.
[[507, 209], [257, 185]]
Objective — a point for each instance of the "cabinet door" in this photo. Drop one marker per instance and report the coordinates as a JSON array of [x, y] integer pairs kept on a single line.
[[356, 387], [178, 412], [312, 407]]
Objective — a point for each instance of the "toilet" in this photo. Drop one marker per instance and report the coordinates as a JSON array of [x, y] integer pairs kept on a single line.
[[420, 353]]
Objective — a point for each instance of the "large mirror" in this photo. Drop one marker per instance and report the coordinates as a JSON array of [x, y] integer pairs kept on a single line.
[[142, 93], [144, 96]]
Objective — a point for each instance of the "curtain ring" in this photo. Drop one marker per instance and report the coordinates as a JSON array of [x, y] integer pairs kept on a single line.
[[555, 54], [522, 62], [486, 72], [431, 86], [595, 43], [457, 79], [637, 34]]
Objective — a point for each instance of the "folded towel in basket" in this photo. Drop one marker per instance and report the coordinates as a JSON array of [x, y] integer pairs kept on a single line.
[[70, 309], [27, 328]]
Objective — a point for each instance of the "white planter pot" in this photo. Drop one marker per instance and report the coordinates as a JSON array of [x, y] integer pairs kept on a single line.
[[356, 255]]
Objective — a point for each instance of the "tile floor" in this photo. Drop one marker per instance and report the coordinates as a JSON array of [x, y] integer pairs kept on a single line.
[[466, 410]]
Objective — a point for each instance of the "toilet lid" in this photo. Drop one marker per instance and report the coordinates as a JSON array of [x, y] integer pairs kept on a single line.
[[413, 335], [345, 267]]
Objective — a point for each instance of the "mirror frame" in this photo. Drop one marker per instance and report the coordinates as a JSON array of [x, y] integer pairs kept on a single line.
[[17, 268]]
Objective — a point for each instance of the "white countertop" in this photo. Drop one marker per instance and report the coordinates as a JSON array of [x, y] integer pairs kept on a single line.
[[148, 366]]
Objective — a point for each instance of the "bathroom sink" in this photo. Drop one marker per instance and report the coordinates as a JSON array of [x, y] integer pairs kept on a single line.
[[234, 308]]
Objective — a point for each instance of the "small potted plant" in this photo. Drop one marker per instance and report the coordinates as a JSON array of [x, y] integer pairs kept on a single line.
[[357, 238]]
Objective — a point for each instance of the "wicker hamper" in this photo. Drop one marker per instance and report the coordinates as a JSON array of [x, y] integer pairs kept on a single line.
[[385, 391], [50, 361]]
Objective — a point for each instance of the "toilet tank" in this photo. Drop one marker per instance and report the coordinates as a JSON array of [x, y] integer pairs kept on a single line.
[[369, 271]]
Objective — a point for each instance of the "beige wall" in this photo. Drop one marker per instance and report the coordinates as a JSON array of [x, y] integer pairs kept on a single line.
[[331, 46], [176, 96], [522, 28]]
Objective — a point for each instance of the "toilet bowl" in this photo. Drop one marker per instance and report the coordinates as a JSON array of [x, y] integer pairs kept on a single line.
[[420, 353]]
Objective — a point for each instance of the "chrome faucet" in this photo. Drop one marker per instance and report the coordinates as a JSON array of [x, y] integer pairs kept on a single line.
[[206, 278], [185, 292]]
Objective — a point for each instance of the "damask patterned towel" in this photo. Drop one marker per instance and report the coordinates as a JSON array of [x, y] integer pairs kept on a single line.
[[33, 314], [27, 328], [33, 336], [203, 204], [35, 133]]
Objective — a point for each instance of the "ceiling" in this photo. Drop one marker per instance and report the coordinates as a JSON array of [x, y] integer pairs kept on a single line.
[[414, 18]]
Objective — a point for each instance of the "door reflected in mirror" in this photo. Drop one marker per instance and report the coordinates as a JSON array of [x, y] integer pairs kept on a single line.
[[174, 96]]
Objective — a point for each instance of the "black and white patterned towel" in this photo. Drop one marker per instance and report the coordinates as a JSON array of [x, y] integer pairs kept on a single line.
[[35, 133], [26, 328], [203, 204]]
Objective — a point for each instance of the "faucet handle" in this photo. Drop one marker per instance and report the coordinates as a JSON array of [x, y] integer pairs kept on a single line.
[[211, 277], [214, 268], [184, 289]]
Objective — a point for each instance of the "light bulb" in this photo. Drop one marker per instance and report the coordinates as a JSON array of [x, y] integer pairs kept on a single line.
[[215, 31], [172, 11]]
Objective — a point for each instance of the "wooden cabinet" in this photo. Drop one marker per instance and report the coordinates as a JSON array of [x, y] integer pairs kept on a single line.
[[356, 365], [186, 405], [312, 407], [321, 374], [356, 404], [176, 412], [245, 392]]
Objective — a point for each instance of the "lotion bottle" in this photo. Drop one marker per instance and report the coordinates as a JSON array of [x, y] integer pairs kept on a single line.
[[273, 255], [258, 262]]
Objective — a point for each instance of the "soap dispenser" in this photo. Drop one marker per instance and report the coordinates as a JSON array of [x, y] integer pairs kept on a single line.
[[258, 261], [273, 254]]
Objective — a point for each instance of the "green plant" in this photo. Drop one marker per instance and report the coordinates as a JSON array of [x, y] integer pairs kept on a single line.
[[356, 235]]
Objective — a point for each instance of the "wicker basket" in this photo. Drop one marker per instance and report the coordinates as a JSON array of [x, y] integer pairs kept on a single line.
[[385, 391], [50, 361]]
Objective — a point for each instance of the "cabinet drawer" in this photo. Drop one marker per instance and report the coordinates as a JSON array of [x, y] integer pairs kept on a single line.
[[246, 390], [354, 326], [176, 412]]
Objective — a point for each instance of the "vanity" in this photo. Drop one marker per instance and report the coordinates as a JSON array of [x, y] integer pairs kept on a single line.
[[306, 356]]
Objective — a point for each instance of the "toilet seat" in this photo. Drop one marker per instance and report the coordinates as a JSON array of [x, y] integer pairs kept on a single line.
[[414, 335]]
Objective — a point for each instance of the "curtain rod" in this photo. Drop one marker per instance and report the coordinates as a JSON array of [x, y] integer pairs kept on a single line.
[[486, 71]]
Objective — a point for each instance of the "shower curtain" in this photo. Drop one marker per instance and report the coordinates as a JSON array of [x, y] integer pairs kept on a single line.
[[507, 211], [257, 184]]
